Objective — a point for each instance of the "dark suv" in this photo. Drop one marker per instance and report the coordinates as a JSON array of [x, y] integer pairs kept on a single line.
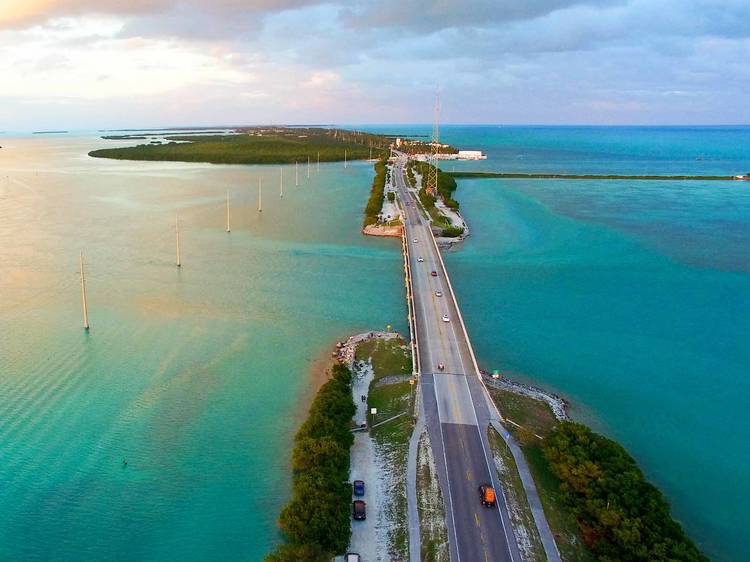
[[359, 510]]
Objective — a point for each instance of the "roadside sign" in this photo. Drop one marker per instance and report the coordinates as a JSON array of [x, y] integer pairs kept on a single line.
[[373, 411]]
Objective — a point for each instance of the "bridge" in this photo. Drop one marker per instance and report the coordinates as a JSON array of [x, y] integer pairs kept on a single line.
[[456, 404]]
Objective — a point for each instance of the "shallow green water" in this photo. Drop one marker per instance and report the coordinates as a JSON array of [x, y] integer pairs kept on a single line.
[[195, 376]]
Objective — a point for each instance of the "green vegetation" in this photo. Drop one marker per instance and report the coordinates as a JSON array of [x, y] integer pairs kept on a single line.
[[316, 519], [278, 145], [391, 196], [482, 175], [388, 357], [375, 202], [433, 531], [452, 232], [621, 515], [446, 185], [597, 502]]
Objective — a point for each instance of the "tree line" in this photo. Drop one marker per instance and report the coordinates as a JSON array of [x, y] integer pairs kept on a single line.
[[316, 521], [622, 517]]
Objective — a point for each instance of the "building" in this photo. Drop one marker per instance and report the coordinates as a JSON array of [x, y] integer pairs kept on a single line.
[[471, 155]]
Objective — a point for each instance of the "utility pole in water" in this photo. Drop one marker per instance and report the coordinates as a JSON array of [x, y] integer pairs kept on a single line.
[[84, 304], [260, 194], [296, 174], [308, 167], [177, 238], [228, 230], [281, 182]]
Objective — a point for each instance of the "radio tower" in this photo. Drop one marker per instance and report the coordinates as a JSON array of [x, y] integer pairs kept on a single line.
[[432, 175]]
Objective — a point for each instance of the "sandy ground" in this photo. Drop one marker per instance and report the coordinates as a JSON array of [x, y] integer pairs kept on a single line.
[[369, 537]]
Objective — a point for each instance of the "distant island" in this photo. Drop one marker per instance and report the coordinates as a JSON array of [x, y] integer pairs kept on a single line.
[[49, 132], [256, 145]]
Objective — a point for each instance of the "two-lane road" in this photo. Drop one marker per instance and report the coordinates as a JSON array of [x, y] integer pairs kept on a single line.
[[455, 413]]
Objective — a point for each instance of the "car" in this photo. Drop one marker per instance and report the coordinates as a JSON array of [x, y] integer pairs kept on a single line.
[[438, 293], [359, 487], [415, 240], [352, 557], [441, 367], [445, 318], [433, 273], [359, 510], [487, 495]]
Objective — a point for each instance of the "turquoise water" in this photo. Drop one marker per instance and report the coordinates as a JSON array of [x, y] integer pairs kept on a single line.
[[631, 299], [196, 377]]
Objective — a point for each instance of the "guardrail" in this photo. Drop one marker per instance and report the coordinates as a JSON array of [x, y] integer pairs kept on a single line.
[[415, 363], [477, 372]]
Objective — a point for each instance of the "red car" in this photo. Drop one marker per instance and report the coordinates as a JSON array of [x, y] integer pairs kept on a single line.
[[487, 495], [433, 273]]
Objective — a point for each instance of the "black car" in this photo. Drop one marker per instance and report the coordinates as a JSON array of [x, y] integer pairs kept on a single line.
[[359, 510], [359, 487]]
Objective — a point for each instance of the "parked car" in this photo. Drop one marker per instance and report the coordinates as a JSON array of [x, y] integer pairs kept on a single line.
[[445, 318], [359, 487], [438, 293], [359, 510], [420, 259], [433, 273], [487, 495], [441, 367], [352, 557]]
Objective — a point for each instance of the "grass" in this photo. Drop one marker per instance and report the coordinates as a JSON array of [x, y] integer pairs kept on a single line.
[[518, 506], [389, 357], [255, 146], [438, 219], [536, 416], [433, 531]]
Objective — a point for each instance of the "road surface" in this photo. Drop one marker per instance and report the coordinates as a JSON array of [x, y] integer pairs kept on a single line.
[[456, 411]]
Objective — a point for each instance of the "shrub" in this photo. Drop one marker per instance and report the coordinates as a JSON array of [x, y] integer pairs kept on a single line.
[[621, 515], [452, 232], [316, 519]]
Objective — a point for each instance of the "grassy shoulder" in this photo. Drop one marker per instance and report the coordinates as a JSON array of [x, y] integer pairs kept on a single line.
[[316, 522], [433, 530], [524, 526], [392, 394], [257, 146], [597, 502]]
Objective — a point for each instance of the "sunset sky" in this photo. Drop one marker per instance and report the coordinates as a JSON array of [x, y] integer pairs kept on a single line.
[[79, 64]]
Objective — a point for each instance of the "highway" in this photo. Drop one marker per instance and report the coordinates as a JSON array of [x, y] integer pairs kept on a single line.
[[455, 404]]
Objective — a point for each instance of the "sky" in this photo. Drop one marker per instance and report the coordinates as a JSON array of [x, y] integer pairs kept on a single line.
[[78, 64]]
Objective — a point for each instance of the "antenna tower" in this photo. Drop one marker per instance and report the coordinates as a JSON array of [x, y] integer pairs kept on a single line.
[[432, 175]]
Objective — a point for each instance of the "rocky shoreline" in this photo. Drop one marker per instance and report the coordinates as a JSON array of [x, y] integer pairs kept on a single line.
[[557, 404]]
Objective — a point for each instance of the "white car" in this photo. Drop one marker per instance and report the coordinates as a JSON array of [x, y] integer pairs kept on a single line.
[[438, 293], [415, 240], [445, 318], [420, 259]]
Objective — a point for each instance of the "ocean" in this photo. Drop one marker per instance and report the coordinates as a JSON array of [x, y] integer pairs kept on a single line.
[[630, 299], [195, 377]]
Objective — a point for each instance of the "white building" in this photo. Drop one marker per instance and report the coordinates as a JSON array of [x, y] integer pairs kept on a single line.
[[471, 155]]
